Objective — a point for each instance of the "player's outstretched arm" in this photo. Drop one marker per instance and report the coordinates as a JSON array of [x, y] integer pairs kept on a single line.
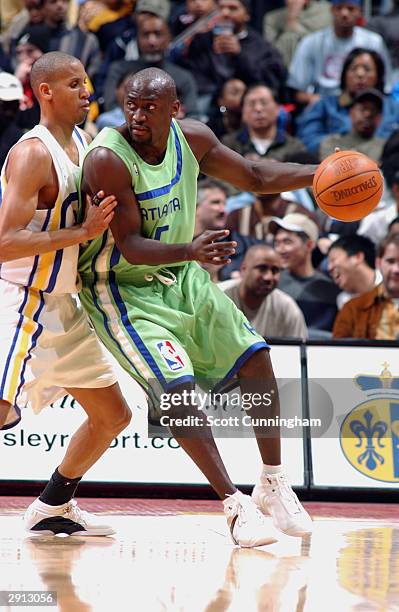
[[28, 173], [218, 161], [102, 168]]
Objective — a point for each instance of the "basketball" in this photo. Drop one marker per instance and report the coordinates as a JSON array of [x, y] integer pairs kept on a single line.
[[347, 185]]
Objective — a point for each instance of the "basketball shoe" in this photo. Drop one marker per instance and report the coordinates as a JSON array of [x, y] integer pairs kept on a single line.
[[274, 495], [43, 519], [247, 525]]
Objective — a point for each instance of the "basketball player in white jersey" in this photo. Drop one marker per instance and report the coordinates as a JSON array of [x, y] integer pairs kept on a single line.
[[47, 346]]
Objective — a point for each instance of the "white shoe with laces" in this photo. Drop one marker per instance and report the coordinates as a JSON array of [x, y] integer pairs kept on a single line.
[[247, 525], [274, 496], [43, 519]]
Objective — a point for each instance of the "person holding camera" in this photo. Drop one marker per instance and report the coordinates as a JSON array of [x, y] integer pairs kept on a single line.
[[232, 49]]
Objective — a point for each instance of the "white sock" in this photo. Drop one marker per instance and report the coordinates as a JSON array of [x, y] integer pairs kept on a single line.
[[271, 470]]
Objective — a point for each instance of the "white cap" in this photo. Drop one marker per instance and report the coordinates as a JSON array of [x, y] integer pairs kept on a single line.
[[10, 87], [295, 222]]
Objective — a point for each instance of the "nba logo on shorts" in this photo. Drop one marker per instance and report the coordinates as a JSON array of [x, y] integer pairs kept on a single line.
[[170, 355]]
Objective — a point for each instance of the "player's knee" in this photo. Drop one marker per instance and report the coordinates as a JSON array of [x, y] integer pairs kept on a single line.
[[122, 418], [112, 420]]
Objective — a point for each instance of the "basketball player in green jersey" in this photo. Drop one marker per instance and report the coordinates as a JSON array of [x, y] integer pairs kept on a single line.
[[157, 310]]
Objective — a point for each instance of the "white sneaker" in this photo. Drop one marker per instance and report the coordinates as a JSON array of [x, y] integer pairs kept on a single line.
[[247, 525], [274, 496], [43, 519]]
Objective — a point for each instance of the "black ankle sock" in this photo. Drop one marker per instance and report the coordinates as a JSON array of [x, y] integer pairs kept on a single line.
[[59, 489]]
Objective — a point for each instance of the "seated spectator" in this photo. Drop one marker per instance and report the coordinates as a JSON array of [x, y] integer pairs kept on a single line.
[[272, 312], [365, 113], [73, 41], [375, 314], [362, 69], [10, 96], [351, 265], [232, 50], [285, 27], [225, 115], [260, 135], [316, 67], [153, 39], [211, 215], [124, 46], [31, 13], [387, 26], [295, 237]]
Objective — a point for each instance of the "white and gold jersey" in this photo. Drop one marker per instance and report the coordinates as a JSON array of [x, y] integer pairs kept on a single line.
[[54, 272]]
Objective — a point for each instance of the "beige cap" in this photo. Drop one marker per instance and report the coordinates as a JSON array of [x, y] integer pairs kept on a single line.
[[160, 8], [295, 222]]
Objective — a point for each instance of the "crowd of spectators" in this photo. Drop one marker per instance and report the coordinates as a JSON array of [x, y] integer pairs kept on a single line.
[[287, 80]]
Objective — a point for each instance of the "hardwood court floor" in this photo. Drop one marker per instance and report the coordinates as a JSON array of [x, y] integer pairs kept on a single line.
[[176, 556]]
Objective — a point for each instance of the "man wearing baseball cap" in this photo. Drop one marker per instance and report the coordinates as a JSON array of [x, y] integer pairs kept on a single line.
[[365, 113], [10, 95], [295, 237]]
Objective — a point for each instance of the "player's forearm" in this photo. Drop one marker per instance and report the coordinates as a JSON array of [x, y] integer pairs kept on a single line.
[[25, 243], [274, 177], [145, 251]]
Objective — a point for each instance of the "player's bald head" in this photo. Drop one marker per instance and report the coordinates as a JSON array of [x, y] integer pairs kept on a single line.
[[152, 81], [49, 67]]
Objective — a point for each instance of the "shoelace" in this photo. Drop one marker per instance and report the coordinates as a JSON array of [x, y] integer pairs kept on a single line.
[[73, 509], [285, 491], [241, 508]]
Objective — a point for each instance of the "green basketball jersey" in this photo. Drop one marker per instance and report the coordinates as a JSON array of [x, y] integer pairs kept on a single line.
[[166, 194]]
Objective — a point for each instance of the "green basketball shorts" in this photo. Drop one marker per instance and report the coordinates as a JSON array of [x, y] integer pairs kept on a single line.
[[189, 330]]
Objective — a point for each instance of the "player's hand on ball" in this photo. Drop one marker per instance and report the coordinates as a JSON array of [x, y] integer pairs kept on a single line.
[[99, 214], [206, 248]]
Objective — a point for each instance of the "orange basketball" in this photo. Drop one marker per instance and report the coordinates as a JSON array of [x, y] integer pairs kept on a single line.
[[347, 185]]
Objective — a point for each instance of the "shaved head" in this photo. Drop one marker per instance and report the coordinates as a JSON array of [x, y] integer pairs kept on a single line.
[[255, 249], [154, 79], [48, 68]]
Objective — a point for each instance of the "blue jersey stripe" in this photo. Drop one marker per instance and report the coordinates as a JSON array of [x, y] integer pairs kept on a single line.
[[32, 346], [155, 193], [20, 311], [79, 136], [59, 254], [98, 307], [115, 256], [132, 332]]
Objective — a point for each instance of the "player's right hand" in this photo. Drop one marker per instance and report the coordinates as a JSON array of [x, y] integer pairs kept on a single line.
[[98, 217], [206, 248]]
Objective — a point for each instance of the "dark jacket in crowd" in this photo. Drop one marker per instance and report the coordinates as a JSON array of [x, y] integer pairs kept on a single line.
[[258, 62], [282, 147]]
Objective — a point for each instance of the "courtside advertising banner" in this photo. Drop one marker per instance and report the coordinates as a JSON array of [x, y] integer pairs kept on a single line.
[[32, 449]]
